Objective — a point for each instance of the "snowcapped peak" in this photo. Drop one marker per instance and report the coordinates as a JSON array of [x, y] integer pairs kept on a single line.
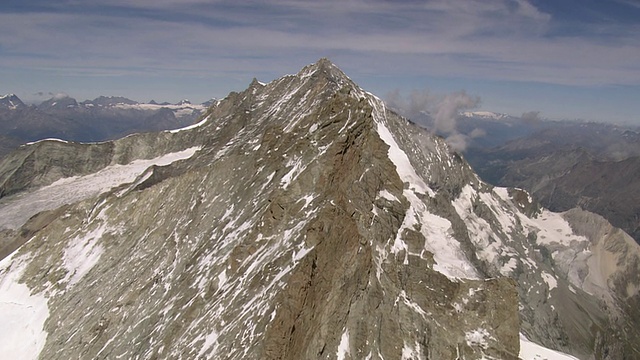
[[109, 101], [11, 101], [489, 115]]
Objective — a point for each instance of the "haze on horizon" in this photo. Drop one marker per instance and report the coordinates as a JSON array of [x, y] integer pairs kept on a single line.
[[568, 60]]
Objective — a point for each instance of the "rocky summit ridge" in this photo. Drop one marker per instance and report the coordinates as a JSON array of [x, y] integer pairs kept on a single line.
[[299, 219]]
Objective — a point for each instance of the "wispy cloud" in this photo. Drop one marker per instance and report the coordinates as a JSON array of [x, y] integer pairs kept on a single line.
[[632, 3], [498, 39], [531, 116], [509, 40], [442, 109]]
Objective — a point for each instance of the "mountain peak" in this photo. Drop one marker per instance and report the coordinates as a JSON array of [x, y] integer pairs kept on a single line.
[[255, 83], [324, 63], [110, 101], [59, 102], [11, 101], [324, 68]]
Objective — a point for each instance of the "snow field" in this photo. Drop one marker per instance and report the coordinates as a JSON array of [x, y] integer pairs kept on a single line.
[[17, 209], [532, 351], [22, 314]]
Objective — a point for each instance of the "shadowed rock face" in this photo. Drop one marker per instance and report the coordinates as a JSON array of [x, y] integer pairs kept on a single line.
[[312, 223]]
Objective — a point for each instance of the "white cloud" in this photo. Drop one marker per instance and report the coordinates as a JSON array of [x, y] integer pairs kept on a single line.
[[531, 116], [477, 133], [450, 107], [60, 95], [443, 110], [496, 40], [526, 9], [457, 142], [501, 40], [632, 3]]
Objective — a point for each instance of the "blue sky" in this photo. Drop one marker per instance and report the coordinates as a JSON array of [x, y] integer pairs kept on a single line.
[[568, 59]]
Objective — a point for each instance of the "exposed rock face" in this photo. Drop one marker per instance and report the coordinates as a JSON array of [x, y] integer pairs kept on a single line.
[[311, 223]]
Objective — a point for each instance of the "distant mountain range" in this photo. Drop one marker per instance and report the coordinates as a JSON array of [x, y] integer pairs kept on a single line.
[[103, 118], [487, 115], [564, 164]]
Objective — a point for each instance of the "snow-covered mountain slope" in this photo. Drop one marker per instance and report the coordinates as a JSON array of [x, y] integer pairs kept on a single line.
[[312, 223], [11, 102]]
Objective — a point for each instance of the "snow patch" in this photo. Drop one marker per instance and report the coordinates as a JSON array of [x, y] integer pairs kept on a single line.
[[22, 314], [478, 337], [411, 352], [222, 279], [550, 280], [405, 170], [196, 125], [553, 228], [532, 351], [507, 223], [296, 168], [509, 266], [437, 231], [343, 348], [209, 341], [307, 200], [449, 257], [490, 243], [82, 255], [298, 255], [47, 139], [384, 194]]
